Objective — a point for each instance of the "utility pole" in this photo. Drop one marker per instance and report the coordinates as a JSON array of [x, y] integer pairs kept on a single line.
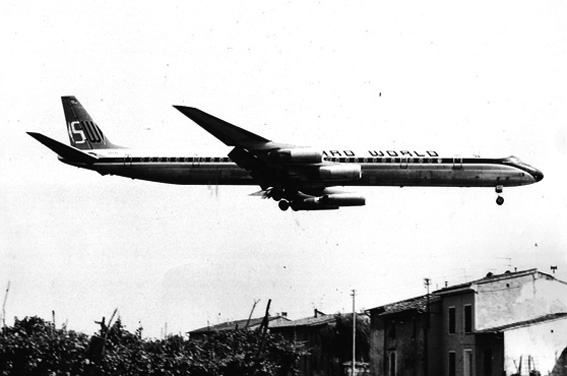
[[353, 365], [427, 282], [4, 306]]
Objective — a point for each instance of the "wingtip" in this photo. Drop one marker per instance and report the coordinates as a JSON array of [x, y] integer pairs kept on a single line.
[[34, 134], [184, 109]]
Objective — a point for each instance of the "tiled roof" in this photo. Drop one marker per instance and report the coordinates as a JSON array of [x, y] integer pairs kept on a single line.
[[308, 321], [490, 277], [240, 324], [519, 324], [418, 303]]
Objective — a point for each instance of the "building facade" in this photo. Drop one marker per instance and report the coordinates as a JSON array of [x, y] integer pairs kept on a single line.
[[514, 323]]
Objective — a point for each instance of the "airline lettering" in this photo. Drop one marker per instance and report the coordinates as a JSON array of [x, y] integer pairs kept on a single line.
[[92, 131], [380, 153], [78, 132], [79, 128]]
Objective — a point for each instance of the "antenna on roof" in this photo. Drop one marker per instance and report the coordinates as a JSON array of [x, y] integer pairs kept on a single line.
[[509, 264], [553, 268]]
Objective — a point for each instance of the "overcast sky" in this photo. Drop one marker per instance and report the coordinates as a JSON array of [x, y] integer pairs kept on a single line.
[[482, 77]]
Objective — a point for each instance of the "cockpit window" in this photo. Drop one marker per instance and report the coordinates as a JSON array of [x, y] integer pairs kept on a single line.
[[512, 160]]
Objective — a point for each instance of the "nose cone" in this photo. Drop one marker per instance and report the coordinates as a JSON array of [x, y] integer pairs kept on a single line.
[[538, 175]]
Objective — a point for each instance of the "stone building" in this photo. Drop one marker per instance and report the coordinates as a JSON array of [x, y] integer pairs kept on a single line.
[[513, 323]]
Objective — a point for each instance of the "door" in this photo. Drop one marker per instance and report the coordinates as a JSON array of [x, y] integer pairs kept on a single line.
[[196, 161], [127, 161], [457, 163], [468, 363]]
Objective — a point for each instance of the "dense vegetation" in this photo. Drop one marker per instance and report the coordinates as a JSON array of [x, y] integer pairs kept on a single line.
[[35, 347]]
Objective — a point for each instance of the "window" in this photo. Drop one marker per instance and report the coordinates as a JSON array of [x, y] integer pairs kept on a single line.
[[392, 364], [392, 331], [452, 363], [468, 319], [451, 320]]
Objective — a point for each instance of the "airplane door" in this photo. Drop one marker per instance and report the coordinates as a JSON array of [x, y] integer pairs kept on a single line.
[[196, 161], [457, 163], [404, 162], [127, 161]]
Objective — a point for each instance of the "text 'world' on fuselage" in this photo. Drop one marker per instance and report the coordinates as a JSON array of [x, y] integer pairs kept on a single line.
[[302, 178]]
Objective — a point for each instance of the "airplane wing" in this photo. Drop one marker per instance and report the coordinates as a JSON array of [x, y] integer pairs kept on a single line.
[[250, 151], [295, 176], [230, 134]]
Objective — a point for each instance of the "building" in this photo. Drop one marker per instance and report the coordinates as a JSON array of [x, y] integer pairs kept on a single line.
[[249, 324], [513, 323], [402, 333], [316, 333], [329, 340]]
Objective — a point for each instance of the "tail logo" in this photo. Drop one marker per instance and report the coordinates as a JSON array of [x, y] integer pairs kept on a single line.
[[81, 131]]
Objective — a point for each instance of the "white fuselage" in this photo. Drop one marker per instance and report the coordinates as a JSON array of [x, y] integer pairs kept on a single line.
[[378, 168]]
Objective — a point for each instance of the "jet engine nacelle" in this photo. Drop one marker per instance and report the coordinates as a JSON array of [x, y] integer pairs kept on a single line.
[[328, 202], [297, 155], [340, 172], [342, 199], [312, 203]]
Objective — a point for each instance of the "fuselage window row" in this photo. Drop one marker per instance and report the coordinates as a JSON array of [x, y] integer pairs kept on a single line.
[[385, 160], [332, 159], [180, 159]]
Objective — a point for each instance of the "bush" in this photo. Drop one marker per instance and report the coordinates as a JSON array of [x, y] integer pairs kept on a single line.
[[35, 347]]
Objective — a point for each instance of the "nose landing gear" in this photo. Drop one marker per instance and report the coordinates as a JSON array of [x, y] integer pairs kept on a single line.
[[499, 199]]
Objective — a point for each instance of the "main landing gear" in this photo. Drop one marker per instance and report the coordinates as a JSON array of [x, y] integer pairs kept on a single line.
[[283, 204], [280, 195], [499, 199]]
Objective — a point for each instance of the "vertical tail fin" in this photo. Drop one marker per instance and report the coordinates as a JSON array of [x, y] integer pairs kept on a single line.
[[84, 134]]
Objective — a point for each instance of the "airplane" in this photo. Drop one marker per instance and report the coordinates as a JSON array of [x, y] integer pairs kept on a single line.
[[300, 178]]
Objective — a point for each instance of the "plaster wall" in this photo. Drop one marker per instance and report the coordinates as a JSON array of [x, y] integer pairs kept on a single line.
[[543, 342], [505, 301]]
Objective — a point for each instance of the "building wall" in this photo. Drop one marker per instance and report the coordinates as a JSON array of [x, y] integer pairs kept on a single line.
[[404, 344], [460, 343], [377, 335], [507, 300], [403, 335], [543, 342], [489, 354], [319, 340]]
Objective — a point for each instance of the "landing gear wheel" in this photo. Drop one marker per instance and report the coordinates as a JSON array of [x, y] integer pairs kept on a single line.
[[283, 205], [500, 200]]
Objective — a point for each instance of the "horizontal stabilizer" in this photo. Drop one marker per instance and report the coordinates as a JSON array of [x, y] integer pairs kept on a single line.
[[230, 134], [65, 151]]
